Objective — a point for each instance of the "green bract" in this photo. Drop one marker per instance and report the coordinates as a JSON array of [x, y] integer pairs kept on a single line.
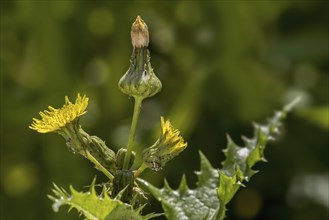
[[140, 80]]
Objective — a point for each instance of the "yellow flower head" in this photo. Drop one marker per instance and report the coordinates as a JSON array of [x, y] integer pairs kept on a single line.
[[168, 146], [55, 119], [171, 139]]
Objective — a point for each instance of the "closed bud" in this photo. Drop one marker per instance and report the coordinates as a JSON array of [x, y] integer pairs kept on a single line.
[[123, 183], [120, 157], [140, 80], [139, 33]]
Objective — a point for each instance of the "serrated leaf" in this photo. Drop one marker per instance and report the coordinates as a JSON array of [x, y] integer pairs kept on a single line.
[[185, 203], [215, 188], [228, 186], [96, 207]]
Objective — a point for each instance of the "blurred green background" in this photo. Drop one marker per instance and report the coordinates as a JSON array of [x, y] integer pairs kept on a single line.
[[223, 64]]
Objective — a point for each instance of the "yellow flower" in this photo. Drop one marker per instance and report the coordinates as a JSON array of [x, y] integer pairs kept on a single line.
[[55, 119], [168, 146]]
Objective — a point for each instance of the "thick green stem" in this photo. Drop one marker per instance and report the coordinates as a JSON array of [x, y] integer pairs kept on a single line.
[[137, 109]]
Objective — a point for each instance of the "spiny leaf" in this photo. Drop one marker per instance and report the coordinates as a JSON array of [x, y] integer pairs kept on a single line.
[[228, 186], [215, 188], [96, 207], [185, 203]]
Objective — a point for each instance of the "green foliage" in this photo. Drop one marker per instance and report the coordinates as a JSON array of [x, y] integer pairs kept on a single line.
[[215, 188], [203, 59], [94, 206], [186, 203]]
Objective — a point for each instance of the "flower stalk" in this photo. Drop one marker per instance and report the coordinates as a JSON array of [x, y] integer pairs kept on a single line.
[[139, 81], [132, 133], [99, 166], [140, 170]]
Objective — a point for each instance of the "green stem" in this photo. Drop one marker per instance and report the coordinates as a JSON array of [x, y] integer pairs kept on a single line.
[[99, 166], [137, 109], [140, 170]]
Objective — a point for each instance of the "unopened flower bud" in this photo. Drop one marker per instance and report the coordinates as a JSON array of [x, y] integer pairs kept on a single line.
[[140, 81], [120, 156], [123, 180], [139, 33]]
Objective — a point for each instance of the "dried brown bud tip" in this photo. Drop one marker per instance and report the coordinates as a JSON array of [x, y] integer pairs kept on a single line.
[[139, 33]]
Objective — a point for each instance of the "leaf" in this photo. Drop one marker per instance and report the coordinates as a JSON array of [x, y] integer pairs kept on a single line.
[[215, 188], [96, 207], [185, 203]]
